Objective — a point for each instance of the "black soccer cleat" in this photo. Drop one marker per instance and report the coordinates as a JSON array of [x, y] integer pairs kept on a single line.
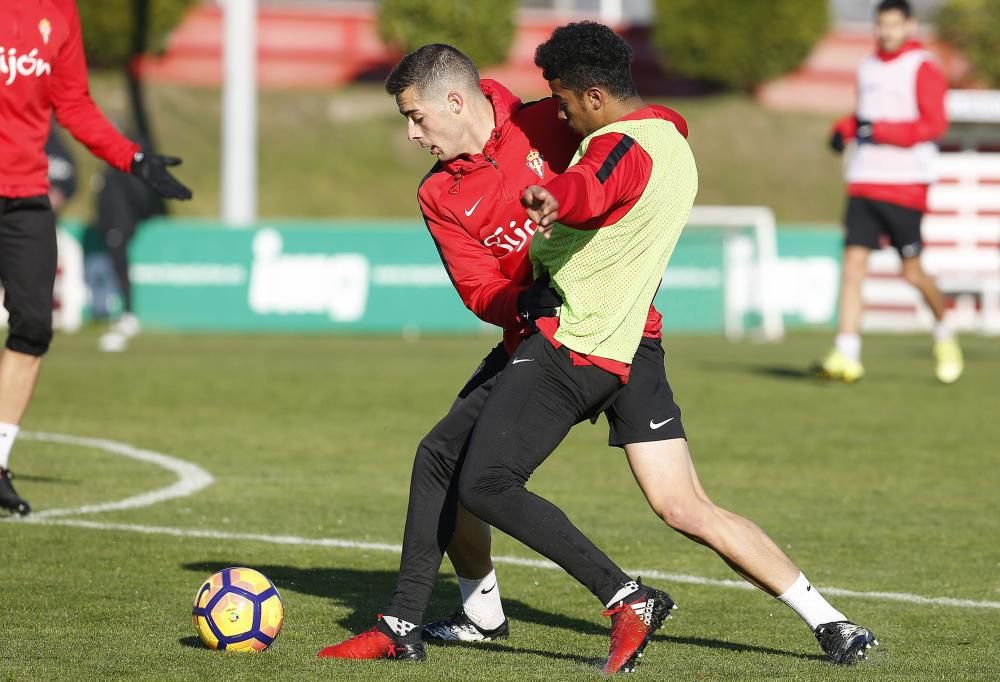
[[845, 642], [9, 499], [458, 627]]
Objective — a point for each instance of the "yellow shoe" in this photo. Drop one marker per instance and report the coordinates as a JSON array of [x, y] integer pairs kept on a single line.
[[838, 367], [949, 361]]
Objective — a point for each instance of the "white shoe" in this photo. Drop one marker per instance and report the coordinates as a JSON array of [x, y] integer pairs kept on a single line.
[[127, 325], [112, 342]]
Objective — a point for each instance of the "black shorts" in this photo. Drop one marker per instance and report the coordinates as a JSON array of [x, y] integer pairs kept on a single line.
[[867, 220], [28, 271], [644, 410]]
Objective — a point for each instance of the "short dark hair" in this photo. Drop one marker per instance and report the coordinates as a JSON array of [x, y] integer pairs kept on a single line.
[[889, 5], [586, 54], [430, 66]]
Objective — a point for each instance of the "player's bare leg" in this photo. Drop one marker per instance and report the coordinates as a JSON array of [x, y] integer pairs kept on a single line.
[[946, 349], [843, 363], [668, 479], [18, 374], [481, 617]]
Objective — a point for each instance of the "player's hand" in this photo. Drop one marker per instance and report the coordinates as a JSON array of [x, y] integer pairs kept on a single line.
[[837, 142], [542, 208], [538, 300], [152, 169], [865, 132]]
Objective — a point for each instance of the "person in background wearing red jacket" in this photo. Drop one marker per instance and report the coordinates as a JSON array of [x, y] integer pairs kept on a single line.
[[43, 70], [490, 147], [900, 115]]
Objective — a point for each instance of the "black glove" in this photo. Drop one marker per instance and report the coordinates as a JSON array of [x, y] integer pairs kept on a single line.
[[864, 133], [837, 142], [538, 300], [152, 169]]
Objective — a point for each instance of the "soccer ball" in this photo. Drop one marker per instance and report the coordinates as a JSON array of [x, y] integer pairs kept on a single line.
[[238, 609]]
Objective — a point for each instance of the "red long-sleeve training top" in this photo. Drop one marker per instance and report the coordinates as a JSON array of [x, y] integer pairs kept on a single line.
[[598, 191], [472, 208], [931, 124], [43, 69]]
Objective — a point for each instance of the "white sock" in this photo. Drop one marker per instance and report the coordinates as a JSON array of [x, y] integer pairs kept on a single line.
[[805, 600], [481, 600], [943, 331], [8, 434], [848, 345], [627, 589]]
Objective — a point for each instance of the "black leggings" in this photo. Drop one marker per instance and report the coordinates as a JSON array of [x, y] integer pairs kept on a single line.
[[484, 451]]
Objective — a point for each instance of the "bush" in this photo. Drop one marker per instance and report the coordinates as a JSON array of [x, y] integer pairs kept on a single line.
[[737, 44], [107, 27], [483, 30], [971, 26]]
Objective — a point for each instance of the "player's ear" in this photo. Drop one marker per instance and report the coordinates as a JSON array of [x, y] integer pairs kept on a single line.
[[594, 98], [455, 102]]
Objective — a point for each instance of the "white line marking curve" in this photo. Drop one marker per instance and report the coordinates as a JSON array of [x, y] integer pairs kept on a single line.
[[190, 477]]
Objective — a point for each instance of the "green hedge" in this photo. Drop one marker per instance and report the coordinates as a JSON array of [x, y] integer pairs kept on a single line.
[[482, 30], [107, 27], [738, 44], [973, 26]]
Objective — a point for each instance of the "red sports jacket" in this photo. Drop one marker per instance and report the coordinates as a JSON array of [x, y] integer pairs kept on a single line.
[[43, 69], [472, 208], [932, 124]]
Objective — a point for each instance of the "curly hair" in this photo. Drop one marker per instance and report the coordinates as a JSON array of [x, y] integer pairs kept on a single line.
[[586, 54]]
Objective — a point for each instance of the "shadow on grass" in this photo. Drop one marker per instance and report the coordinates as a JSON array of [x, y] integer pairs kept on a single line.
[[367, 592], [46, 479], [191, 642]]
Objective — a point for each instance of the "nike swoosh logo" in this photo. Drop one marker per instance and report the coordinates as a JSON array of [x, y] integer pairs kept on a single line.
[[489, 590], [518, 360], [470, 211], [655, 425]]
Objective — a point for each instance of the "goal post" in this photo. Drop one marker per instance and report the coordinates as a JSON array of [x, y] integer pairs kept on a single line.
[[749, 268]]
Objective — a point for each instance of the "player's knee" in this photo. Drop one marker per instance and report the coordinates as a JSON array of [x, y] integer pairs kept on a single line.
[[482, 493], [30, 333], [688, 515]]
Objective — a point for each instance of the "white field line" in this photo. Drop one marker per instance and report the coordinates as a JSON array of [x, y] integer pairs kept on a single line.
[[190, 477], [516, 561]]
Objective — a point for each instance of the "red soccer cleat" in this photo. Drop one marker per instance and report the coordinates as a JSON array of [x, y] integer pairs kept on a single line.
[[374, 644], [633, 622]]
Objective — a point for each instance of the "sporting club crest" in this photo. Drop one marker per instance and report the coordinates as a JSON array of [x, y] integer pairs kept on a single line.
[[536, 163], [45, 28]]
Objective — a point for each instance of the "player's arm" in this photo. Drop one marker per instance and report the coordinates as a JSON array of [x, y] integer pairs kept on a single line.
[[612, 175], [474, 271], [843, 132], [78, 114], [933, 120]]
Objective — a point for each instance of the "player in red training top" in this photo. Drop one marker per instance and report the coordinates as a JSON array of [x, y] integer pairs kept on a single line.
[[43, 70], [900, 116], [485, 256]]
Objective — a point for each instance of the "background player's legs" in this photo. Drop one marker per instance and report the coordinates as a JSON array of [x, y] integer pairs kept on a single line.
[[855, 268], [844, 361], [28, 271], [913, 272], [18, 375]]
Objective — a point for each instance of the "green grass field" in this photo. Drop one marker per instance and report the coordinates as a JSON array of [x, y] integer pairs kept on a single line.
[[884, 487]]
